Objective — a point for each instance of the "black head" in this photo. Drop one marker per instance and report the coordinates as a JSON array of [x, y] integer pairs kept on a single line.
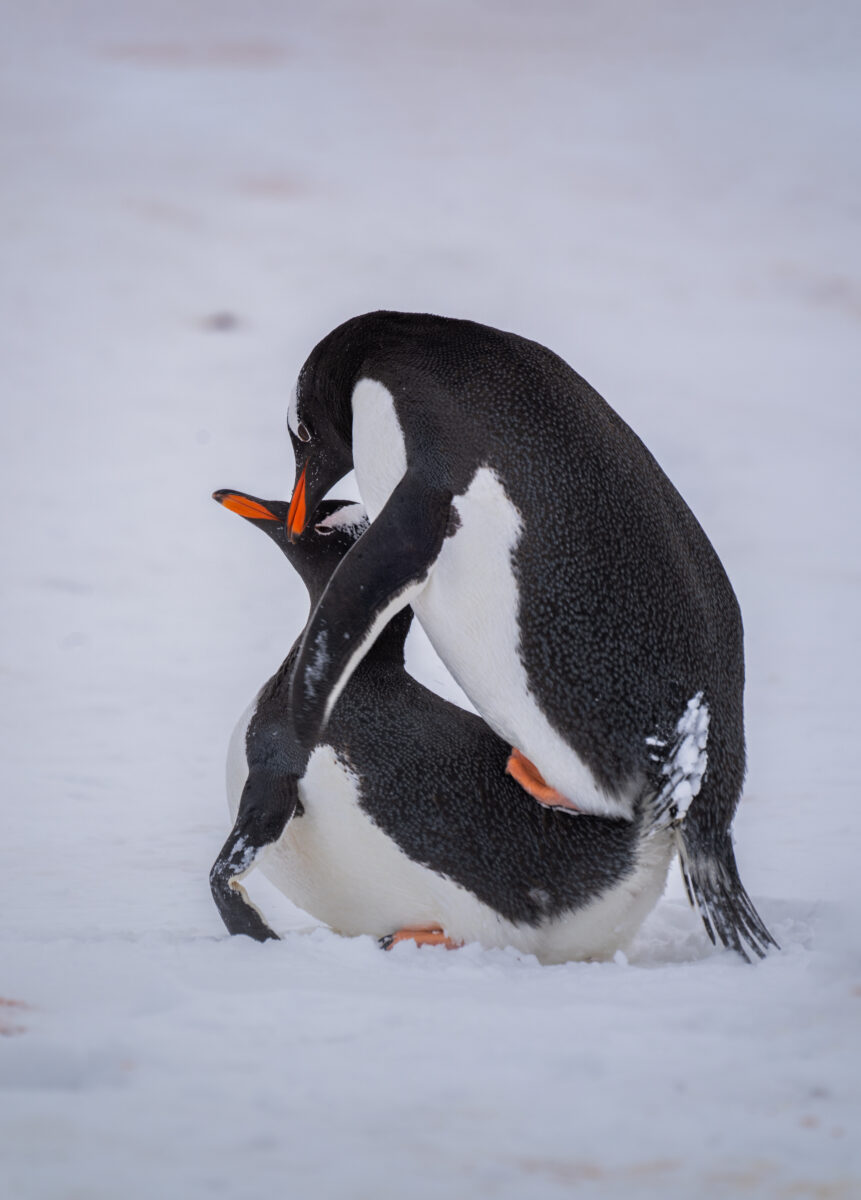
[[320, 424], [320, 416], [335, 527]]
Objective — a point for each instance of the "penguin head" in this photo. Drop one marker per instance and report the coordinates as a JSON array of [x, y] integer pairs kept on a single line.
[[335, 526], [320, 421]]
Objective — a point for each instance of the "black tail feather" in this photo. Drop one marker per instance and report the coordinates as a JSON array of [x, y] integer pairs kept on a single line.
[[716, 891]]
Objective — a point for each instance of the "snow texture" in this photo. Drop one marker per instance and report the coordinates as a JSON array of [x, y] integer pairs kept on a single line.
[[687, 761], [666, 194], [320, 658]]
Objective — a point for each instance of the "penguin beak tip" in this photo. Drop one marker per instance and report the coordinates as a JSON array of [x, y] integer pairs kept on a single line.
[[298, 513], [244, 506]]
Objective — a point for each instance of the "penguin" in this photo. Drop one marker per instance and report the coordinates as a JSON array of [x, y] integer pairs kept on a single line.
[[405, 823], [557, 572]]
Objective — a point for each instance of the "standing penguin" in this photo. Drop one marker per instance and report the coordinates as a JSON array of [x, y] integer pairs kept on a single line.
[[556, 570], [406, 823]]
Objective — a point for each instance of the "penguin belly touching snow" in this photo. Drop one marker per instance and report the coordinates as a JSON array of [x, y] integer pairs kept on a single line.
[[405, 823], [558, 573]]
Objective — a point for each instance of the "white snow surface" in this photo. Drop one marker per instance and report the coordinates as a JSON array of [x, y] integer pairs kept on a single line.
[[665, 193]]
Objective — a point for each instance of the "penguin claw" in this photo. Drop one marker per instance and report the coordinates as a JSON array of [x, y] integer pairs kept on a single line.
[[421, 937], [532, 781]]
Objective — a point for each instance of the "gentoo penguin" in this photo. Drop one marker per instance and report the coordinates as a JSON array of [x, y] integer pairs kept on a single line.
[[556, 570], [406, 823]]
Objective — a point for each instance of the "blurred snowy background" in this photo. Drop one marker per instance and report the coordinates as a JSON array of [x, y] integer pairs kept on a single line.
[[667, 194]]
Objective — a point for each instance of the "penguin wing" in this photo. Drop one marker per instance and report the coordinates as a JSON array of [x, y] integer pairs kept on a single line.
[[386, 568], [267, 804]]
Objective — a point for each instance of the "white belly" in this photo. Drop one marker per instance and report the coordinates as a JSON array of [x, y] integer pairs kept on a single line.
[[338, 866], [237, 763], [468, 607]]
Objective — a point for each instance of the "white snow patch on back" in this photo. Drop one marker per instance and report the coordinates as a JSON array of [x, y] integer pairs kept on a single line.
[[686, 765], [319, 662]]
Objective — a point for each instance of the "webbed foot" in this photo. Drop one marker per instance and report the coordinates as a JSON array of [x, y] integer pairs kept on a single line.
[[532, 781], [421, 937]]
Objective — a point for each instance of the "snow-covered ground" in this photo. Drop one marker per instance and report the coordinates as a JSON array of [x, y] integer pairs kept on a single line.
[[193, 192]]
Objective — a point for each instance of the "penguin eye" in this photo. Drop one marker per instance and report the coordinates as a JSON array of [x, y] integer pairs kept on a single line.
[[303, 433], [323, 530]]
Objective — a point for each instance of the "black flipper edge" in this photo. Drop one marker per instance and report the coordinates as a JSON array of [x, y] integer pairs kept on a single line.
[[378, 577], [266, 806]]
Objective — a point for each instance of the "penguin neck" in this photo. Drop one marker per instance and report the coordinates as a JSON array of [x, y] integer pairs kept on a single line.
[[388, 648], [385, 656]]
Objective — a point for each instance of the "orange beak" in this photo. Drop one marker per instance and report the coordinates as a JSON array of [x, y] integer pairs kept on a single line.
[[297, 516], [244, 507]]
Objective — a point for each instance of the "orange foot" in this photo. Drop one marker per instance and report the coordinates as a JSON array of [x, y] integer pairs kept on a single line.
[[531, 780], [421, 937]]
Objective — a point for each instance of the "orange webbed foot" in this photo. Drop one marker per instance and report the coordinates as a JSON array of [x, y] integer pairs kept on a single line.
[[421, 937], [532, 781]]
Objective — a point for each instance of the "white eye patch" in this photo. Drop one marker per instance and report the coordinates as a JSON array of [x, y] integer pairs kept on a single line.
[[293, 414], [351, 516]]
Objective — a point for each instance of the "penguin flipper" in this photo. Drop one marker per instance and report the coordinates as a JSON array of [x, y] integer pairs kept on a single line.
[[386, 568], [267, 803]]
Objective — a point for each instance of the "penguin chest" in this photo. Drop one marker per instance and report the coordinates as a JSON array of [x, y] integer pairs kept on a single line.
[[341, 868], [337, 865], [332, 861], [237, 763]]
